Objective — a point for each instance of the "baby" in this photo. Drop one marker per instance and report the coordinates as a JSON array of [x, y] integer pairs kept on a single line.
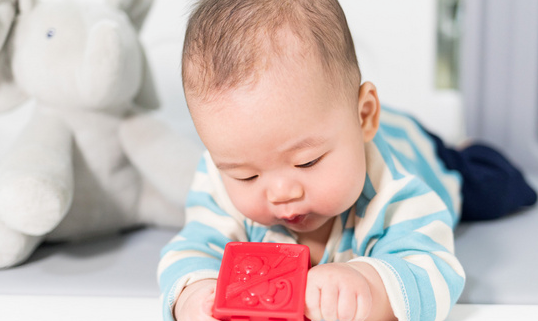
[[299, 151]]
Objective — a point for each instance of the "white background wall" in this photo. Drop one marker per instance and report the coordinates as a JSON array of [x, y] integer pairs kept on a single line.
[[395, 42]]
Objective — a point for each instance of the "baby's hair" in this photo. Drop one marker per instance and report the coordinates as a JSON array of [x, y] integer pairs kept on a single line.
[[229, 42]]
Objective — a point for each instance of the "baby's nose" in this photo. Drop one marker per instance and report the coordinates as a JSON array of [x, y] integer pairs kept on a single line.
[[284, 191]]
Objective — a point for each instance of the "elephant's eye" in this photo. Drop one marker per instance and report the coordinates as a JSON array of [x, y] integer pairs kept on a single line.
[[51, 32]]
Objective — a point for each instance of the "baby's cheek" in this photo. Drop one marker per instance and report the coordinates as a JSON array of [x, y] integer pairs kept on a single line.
[[338, 191], [250, 204]]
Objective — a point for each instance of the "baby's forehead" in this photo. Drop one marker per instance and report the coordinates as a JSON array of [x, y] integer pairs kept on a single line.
[[280, 75], [282, 50]]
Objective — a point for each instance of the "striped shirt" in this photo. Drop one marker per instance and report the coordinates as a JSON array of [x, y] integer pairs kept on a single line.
[[401, 224]]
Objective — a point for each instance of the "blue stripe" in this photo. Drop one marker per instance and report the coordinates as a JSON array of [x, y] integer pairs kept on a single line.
[[196, 240], [368, 192], [422, 168], [384, 150], [202, 165], [426, 296], [204, 199], [346, 242], [255, 233], [280, 229], [413, 224], [412, 188], [454, 281], [401, 236], [374, 233], [408, 284], [343, 218], [405, 244], [415, 187]]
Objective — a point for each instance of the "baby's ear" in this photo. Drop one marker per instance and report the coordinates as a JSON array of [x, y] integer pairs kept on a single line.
[[369, 110]]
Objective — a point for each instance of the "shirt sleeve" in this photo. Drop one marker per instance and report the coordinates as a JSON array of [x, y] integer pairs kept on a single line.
[[195, 253], [406, 234]]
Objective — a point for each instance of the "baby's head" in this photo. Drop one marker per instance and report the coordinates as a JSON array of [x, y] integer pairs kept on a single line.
[[273, 87], [233, 43]]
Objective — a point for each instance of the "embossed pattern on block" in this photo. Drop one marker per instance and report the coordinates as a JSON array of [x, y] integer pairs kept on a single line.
[[262, 282]]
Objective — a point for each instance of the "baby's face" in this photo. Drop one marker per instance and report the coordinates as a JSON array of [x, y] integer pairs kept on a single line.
[[290, 150]]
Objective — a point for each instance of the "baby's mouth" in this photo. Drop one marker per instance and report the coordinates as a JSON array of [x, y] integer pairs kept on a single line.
[[298, 219]]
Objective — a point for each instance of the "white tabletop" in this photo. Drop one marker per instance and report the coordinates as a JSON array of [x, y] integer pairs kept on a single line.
[[62, 308]]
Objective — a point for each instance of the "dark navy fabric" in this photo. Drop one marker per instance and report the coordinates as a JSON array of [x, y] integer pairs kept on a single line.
[[492, 186]]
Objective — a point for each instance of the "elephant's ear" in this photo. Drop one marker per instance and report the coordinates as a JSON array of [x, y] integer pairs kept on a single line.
[[10, 95], [7, 17], [137, 10], [147, 97], [26, 5]]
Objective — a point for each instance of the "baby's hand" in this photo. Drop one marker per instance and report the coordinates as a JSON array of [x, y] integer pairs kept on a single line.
[[196, 301], [337, 291]]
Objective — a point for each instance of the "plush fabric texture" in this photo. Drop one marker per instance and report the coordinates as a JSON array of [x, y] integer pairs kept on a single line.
[[79, 169]]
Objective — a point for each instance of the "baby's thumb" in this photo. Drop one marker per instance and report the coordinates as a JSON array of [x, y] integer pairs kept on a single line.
[[207, 305]]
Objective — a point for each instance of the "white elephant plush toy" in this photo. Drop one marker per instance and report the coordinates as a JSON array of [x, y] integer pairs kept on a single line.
[[71, 173]]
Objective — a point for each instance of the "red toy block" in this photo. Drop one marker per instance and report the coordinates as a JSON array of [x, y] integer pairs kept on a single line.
[[262, 282]]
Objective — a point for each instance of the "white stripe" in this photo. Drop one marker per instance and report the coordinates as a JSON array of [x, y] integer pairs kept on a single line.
[[277, 237], [335, 238], [437, 281], [176, 238], [377, 170], [401, 145], [384, 185], [376, 205], [413, 208], [220, 195], [216, 248], [201, 183], [440, 233], [426, 148], [452, 261], [399, 167], [343, 256], [172, 257], [370, 245]]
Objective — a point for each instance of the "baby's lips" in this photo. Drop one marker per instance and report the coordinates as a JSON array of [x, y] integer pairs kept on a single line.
[[295, 219]]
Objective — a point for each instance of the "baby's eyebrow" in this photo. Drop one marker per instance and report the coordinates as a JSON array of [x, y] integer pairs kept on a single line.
[[227, 166], [309, 142]]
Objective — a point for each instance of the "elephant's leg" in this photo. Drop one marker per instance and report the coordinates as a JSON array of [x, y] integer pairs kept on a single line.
[[36, 177], [15, 247]]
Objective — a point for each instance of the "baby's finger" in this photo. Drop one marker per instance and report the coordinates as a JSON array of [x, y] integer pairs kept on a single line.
[[329, 303], [364, 307], [347, 305], [312, 300]]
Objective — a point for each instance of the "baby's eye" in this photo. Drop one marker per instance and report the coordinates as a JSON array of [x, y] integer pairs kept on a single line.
[[248, 179], [309, 164]]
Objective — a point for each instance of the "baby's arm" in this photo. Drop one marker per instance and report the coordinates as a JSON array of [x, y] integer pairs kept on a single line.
[[190, 262], [412, 251], [350, 291]]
